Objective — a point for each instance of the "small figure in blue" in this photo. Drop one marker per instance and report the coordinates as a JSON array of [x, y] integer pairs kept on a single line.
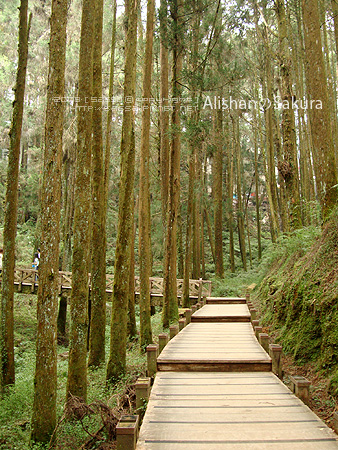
[[36, 263]]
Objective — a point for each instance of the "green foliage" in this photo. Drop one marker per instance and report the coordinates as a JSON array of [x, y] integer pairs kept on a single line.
[[299, 295]]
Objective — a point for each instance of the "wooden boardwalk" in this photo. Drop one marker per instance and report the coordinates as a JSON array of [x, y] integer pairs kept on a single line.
[[214, 390], [26, 281]]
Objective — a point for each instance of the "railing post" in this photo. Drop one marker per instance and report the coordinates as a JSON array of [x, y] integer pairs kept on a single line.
[[200, 286], [142, 390], [181, 324], [301, 388], [258, 330], [255, 323], [247, 296], [193, 309], [264, 341], [173, 330], [335, 421], [163, 339], [275, 351], [187, 314], [152, 352], [127, 432], [253, 312]]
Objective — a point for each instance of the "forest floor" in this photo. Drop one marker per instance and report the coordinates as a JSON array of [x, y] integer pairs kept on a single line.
[[16, 407]]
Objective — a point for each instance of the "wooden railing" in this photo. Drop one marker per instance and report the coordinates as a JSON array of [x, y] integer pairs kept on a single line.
[[27, 281]]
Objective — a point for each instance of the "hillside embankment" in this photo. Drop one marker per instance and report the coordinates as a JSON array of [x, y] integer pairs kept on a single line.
[[298, 299]]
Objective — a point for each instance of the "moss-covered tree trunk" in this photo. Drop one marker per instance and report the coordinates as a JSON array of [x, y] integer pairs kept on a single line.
[[7, 372], [98, 257], [77, 368], [323, 149], [45, 381], [170, 304], [132, 328], [192, 147], [218, 192], [230, 212], [258, 218], [289, 166], [144, 195], [196, 223], [110, 111], [69, 161], [118, 336], [164, 110], [240, 209], [188, 241]]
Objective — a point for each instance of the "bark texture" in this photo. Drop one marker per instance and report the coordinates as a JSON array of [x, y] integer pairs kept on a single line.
[[77, 368], [45, 381], [118, 337], [170, 304], [7, 372], [144, 195], [323, 149], [98, 261]]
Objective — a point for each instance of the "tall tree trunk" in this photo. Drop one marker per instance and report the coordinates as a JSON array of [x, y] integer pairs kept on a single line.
[[77, 368], [69, 161], [170, 304], [289, 166], [45, 381], [164, 110], [188, 241], [218, 193], [323, 149], [118, 336], [196, 249], [180, 251], [240, 210], [98, 239], [230, 213], [7, 372], [210, 233], [110, 111], [144, 195], [258, 219], [131, 327]]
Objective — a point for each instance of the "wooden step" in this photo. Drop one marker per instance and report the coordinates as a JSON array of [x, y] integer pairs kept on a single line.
[[222, 313], [225, 300], [223, 347]]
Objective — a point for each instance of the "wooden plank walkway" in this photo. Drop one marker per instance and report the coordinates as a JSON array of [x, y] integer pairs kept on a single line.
[[214, 390], [214, 411]]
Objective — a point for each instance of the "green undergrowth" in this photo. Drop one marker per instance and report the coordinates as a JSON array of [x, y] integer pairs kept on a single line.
[[298, 297], [16, 406]]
